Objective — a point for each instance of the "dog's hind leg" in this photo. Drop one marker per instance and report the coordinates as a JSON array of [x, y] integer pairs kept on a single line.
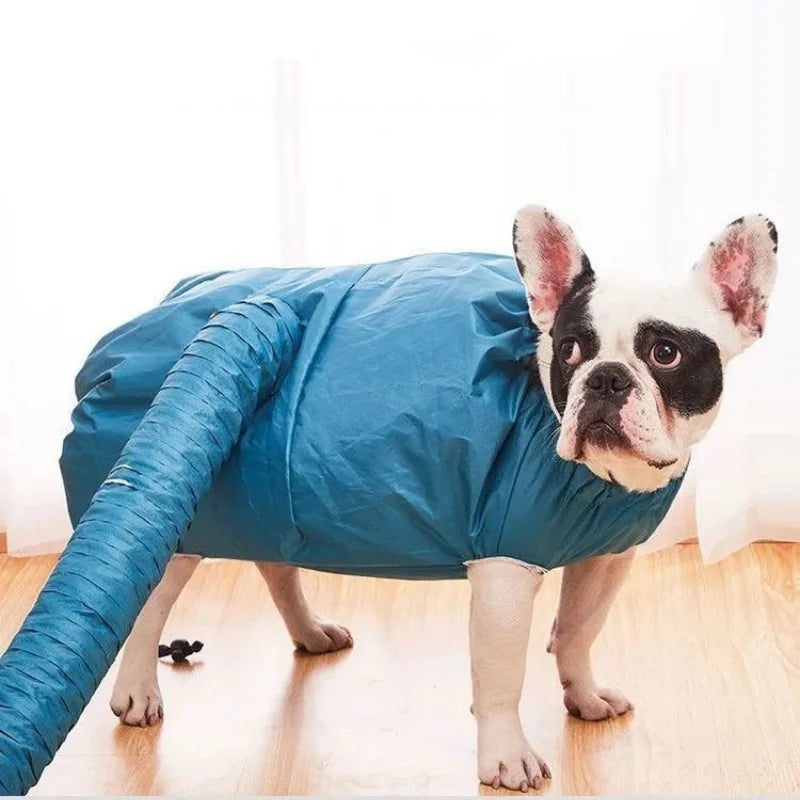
[[308, 631], [136, 698], [587, 590]]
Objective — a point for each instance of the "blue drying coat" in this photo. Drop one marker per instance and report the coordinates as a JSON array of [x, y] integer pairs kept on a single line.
[[374, 420], [405, 436]]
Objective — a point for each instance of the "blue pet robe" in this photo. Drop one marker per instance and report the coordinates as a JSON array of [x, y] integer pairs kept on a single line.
[[406, 437], [375, 420]]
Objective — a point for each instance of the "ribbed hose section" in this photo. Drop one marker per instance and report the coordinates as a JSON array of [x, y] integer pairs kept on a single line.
[[121, 546]]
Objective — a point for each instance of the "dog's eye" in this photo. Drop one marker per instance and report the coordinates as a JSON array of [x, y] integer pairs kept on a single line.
[[570, 352], [665, 355]]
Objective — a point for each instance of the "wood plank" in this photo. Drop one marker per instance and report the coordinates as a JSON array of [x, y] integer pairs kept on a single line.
[[710, 655]]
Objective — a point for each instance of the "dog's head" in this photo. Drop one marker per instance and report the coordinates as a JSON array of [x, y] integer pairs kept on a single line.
[[634, 370]]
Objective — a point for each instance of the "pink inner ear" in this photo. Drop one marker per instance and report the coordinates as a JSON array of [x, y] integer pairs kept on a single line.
[[732, 270], [556, 258], [547, 299]]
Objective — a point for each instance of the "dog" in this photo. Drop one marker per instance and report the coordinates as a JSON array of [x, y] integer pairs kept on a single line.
[[633, 372]]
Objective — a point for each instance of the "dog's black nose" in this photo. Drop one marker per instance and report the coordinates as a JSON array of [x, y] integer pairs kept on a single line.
[[606, 380]]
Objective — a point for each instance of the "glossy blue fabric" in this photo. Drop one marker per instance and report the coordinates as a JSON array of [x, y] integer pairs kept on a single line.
[[405, 439], [374, 420]]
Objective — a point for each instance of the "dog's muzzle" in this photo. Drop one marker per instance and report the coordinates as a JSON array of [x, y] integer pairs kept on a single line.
[[606, 390]]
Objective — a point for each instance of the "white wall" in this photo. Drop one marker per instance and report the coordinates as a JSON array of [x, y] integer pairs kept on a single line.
[[145, 142]]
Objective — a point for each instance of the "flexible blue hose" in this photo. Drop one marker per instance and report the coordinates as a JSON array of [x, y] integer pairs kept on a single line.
[[121, 546]]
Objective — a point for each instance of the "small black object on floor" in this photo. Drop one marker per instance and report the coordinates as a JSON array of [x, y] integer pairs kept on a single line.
[[179, 649]]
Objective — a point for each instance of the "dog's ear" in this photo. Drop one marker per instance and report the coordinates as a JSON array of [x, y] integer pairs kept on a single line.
[[549, 260], [738, 271]]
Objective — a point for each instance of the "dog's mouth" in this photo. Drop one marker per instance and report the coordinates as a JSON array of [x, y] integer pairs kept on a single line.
[[656, 464], [601, 433], [604, 434]]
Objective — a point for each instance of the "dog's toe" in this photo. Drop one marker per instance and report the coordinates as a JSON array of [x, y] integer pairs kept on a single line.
[[323, 637], [618, 702], [138, 704], [506, 760], [521, 771], [596, 705]]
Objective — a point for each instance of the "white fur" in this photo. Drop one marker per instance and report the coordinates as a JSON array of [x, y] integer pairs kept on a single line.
[[499, 627], [617, 307], [587, 591]]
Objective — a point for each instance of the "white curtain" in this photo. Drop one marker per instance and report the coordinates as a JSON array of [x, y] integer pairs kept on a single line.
[[138, 148]]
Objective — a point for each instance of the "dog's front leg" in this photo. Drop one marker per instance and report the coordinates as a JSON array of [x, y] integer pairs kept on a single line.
[[499, 628], [587, 591]]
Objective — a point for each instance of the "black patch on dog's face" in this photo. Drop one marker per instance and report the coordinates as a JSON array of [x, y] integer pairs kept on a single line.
[[695, 385], [572, 321]]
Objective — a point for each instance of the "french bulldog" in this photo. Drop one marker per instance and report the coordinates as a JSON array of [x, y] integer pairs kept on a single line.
[[633, 372]]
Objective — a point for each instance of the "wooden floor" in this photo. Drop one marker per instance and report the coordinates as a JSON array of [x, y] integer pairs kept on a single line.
[[710, 656]]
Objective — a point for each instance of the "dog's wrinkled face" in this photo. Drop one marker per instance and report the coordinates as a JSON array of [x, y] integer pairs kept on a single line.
[[634, 370]]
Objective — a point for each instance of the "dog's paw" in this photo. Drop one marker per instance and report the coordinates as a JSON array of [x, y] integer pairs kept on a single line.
[[137, 701], [506, 759], [596, 705], [323, 637]]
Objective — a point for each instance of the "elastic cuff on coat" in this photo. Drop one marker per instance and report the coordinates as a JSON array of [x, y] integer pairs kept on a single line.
[[524, 564]]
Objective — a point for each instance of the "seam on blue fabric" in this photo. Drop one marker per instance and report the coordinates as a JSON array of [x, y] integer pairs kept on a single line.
[[292, 417], [484, 494], [511, 488]]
